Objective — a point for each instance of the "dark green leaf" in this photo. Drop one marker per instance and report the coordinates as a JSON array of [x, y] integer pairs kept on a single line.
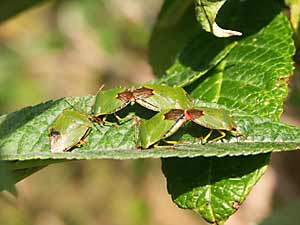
[[9, 8], [182, 74], [254, 75], [175, 26], [213, 187], [251, 78], [246, 75], [6, 181], [10, 173]]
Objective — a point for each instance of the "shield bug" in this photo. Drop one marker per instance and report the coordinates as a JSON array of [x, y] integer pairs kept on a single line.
[[168, 121], [153, 97], [68, 131], [164, 97], [110, 101]]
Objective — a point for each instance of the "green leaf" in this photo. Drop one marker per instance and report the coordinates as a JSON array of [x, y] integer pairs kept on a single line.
[[254, 75], [213, 187], [246, 76], [182, 75], [13, 172], [215, 70], [24, 136], [252, 78], [9, 8], [254, 72], [6, 181], [207, 11], [175, 26]]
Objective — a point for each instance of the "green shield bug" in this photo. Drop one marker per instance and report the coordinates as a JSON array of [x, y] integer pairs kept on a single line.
[[165, 97], [153, 97], [68, 131], [110, 101], [168, 121]]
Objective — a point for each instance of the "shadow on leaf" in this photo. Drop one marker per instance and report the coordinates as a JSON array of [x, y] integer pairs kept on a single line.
[[183, 175]]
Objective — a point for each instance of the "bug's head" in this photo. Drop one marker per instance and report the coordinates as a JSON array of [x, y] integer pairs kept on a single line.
[[55, 141], [54, 133]]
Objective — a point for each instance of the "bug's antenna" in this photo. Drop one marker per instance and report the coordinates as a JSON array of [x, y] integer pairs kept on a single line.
[[100, 88], [73, 106]]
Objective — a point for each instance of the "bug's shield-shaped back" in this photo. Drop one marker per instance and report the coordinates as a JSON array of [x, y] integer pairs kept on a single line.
[[110, 101], [165, 97], [160, 126], [68, 130], [218, 119]]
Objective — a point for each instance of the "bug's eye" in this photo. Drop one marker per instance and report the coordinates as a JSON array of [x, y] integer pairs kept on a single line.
[[54, 133]]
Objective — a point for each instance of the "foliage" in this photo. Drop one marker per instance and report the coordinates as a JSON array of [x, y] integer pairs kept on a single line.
[[246, 75], [11, 8]]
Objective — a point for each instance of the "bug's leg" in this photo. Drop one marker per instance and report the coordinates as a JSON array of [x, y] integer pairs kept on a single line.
[[123, 120], [80, 143], [97, 120], [235, 133], [87, 133], [83, 141], [164, 146], [176, 142], [204, 139], [118, 117], [104, 121], [240, 136], [222, 135]]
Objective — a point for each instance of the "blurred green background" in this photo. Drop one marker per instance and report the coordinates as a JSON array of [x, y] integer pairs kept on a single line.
[[70, 48]]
